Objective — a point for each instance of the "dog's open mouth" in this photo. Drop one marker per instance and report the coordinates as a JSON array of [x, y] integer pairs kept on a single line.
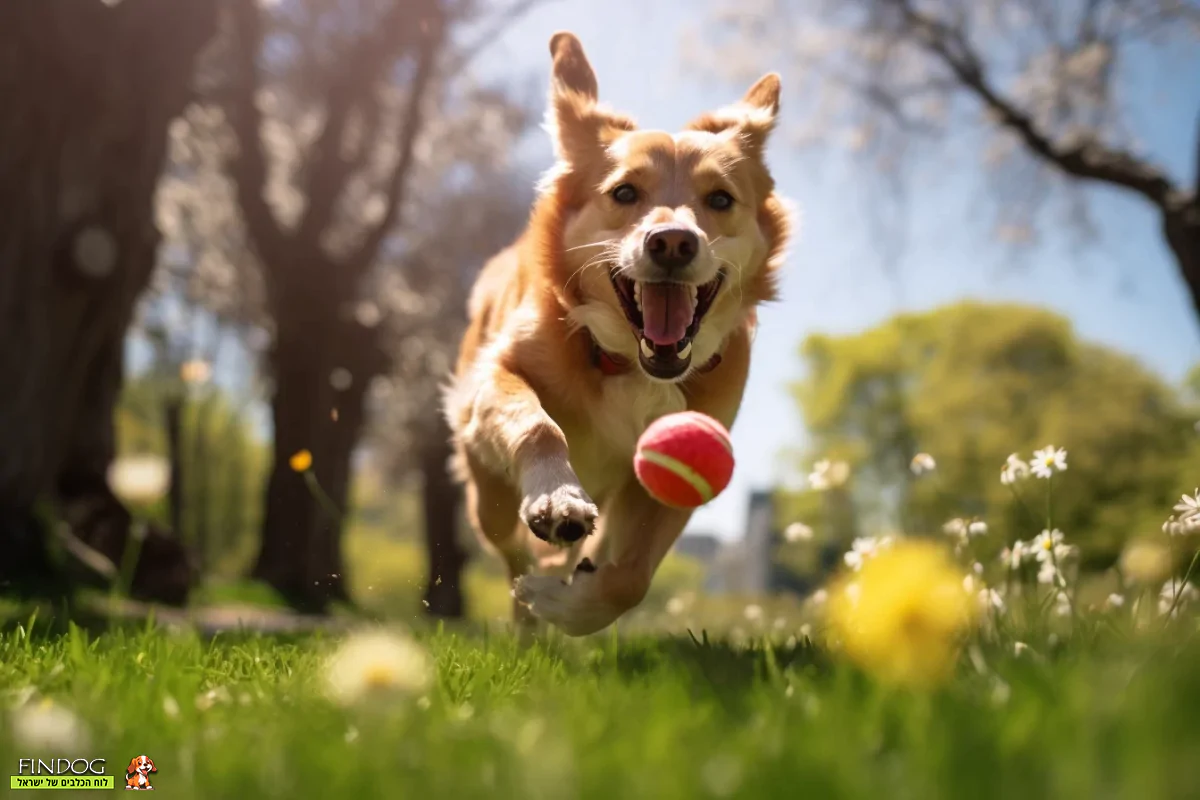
[[665, 317]]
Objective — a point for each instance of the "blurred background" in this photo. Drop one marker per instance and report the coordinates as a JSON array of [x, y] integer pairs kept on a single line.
[[238, 236]]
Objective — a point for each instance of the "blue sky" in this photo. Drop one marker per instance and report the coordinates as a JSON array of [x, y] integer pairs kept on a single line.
[[1123, 292]]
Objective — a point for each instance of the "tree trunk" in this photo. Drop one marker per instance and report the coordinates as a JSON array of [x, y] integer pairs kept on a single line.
[[173, 422], [441, 499], [202, 484], [88, 91], [300, 554]]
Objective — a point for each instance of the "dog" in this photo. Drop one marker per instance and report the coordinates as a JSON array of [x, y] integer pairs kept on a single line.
[[632, 293], [137, 774]]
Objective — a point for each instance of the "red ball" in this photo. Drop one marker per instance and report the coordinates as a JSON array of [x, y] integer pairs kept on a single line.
[[684, 460]]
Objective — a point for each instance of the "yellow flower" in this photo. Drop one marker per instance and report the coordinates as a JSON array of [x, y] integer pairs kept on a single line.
[[301, 461], [904, 620], [377, 662]]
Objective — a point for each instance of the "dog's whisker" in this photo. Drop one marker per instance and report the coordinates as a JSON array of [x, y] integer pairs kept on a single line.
[[601, 243]]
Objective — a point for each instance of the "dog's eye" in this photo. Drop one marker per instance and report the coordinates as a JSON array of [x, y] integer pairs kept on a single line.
[[720, 200], [625, 194]]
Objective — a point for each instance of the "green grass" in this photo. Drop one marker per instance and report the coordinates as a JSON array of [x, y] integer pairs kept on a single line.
[[242, 716]]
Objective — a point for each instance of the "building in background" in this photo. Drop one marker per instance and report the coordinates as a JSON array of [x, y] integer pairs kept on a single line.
[[743, 567]]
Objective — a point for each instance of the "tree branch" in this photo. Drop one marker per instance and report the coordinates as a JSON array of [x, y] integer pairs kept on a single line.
[[430, 46], [328, 169], [249, 167], [1089, 160]]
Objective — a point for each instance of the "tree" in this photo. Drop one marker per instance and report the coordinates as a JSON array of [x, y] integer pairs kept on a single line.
[[1050, 82], [972, 383], [468, 220], [89, 89], [335, 108]]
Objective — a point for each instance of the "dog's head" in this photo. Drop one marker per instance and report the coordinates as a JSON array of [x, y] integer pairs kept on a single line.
[[141, 765], [666, 241]]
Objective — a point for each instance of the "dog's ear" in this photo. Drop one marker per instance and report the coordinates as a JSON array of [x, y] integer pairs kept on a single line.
[[579, 126], [752, 117], [132, 768], [150, 761]]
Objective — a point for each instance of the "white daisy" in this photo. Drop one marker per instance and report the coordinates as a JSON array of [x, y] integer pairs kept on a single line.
[[1018, 554], [922, 463], [828, 474], [1048, 460], [1188, 505], [44, 725], [956, 527], [1049, 546], [864, 548], [990, 599], [1049, 575], [377, 661], [798, 532], [1014, 470], [1178, 595], [1115, 600], [977, 528]]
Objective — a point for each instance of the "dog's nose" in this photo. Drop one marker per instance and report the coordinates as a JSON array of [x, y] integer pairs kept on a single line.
[[672, 246]]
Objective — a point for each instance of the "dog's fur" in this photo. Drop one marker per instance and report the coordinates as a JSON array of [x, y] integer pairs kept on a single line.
[[544, 438]]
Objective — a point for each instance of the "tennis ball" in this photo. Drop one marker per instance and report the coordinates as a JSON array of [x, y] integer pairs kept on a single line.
[[684, 460]]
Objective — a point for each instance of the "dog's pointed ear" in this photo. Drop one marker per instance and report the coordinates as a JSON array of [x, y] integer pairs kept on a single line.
[[752, 117], [579, 126]]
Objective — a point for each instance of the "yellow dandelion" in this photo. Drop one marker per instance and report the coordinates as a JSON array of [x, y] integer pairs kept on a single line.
[[905, 618], [301, 461], [377, 662]]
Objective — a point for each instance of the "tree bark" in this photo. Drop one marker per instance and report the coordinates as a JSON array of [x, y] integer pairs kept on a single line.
[[88, 91], [173, 422], [300, 553], [441, 500]]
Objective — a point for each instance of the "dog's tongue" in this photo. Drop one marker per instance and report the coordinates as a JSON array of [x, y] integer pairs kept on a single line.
[[667, 311]]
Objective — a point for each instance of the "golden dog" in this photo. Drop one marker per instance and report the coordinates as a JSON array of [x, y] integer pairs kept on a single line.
[[631, 294]]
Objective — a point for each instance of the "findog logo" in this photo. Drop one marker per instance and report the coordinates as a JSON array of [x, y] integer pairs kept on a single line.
[[137, 774]]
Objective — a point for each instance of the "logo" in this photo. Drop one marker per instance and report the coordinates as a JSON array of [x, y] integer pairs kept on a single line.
[[137, 774], [61, 773]]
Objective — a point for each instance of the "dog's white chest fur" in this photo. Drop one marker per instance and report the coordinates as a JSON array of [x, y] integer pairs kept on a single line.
[[602, 449]]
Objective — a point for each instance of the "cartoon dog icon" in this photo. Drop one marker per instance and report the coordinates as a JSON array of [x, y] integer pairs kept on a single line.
[[137, 774]]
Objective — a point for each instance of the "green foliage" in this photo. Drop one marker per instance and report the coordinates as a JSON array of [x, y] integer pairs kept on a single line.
[[643, 717], [970, 384], [225, 465]]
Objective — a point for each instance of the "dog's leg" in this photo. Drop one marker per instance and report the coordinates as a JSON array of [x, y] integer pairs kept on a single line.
[[492, 510], [637, 532], [510, 432]]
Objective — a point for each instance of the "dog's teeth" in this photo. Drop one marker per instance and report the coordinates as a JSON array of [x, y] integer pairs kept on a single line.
[[685, 352], [647, 349], [637, 294], [694, 292]]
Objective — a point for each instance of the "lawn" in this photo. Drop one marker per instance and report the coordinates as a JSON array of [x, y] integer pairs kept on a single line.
[[1101, 715]]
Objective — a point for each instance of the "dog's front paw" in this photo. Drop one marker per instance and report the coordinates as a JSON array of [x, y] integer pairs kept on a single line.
[[560, 516], [572, 607]]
